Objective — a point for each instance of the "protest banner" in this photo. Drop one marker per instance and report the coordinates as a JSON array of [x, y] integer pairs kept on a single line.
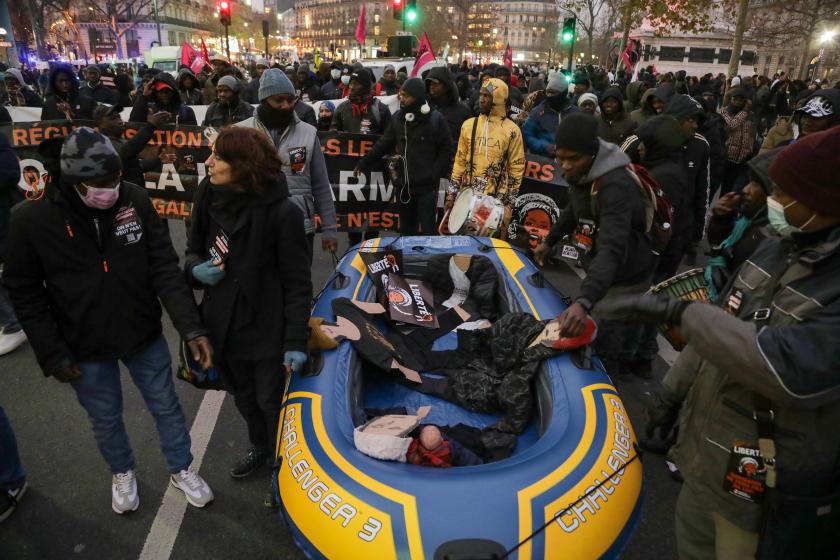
[[175, 156]]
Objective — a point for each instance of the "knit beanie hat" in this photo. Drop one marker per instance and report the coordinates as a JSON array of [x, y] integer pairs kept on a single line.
[[737, 91], [578, 132], [229, 82], [805, 171], [93, 68], [363, 77], [588, 96], [275, 82], [87, 155], [262, 62], [558, 83], [416, 89]]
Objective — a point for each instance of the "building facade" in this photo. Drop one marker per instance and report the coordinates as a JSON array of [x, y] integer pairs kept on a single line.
[[330, 27], [528, 26]]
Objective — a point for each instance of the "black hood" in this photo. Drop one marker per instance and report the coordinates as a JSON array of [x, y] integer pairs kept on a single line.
[[66, 69], [167, 79], [662, 137], [443, 75], [184, 72], [664, 92], [612, 93], [684, 106]]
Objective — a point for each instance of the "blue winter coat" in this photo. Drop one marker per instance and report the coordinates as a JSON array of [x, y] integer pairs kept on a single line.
[[540, 128]]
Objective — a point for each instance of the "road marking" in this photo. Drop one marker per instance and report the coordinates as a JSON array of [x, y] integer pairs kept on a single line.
[[167, 523], [666, 351]]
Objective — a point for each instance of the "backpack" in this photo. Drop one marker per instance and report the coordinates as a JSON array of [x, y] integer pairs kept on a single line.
[[659, 213]]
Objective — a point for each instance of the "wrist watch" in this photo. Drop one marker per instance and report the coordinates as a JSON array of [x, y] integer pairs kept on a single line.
[[585, 303]]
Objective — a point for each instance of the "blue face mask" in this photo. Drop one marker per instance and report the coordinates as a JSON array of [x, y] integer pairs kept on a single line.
[[778, 221]]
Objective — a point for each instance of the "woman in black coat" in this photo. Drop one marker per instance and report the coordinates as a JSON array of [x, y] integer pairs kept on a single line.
[[248, 250]]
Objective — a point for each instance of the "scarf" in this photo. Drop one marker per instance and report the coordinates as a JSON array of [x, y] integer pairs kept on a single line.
[[277, 119], [719, 261], [360, 104]]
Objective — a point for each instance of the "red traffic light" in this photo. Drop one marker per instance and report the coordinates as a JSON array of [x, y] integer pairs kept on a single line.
[[397, 2], [224, 5]]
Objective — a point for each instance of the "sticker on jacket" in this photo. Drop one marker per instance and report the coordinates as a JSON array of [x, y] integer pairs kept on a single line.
[[220, 248], [365, 126], [733, 304], [745, 473], [297, 159], [128, 229]]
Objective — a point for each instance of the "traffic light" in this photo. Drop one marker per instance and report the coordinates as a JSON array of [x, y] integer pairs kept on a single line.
[[224, 12], [410, 11], [569, 25], [398, 7]]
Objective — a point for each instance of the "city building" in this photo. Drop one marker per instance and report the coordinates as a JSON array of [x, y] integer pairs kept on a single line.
[[528, 26], [330, 27]]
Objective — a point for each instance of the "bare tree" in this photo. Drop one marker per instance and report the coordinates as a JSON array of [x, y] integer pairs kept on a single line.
[[793, 23], [588, 14], [122, 16], [40, 12]]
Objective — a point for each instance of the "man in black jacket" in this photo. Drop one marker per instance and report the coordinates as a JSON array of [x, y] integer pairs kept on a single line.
[[110, 123], [86, 266], [420, 138], [609, 235], [443, 97], [94, 89], [63, 100], [161, 94], [228, 107]]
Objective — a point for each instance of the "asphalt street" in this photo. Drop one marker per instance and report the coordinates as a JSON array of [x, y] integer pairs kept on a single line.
[[66, 513]]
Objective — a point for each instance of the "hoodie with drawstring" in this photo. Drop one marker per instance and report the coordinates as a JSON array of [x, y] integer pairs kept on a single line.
[[450, 106], [622, 252], [498, 156]]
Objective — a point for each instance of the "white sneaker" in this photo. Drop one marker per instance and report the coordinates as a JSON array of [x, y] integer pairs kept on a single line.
[[124, 497], [197, 492], [11, 341]]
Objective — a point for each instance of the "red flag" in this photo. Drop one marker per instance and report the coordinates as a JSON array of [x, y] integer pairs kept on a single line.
[[361, 28], [198, 64], [508, 58], [629, 50], [425, 55], [188, 54], [204, 54]]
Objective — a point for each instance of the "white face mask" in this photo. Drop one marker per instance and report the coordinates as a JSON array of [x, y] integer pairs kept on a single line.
[[335, 73], [778, 220], [345, 80]]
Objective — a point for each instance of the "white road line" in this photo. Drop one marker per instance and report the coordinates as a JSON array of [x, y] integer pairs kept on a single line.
[[167, 523], [666, 351]]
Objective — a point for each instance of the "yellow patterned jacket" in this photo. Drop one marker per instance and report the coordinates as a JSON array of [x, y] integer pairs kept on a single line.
[[498, 162]]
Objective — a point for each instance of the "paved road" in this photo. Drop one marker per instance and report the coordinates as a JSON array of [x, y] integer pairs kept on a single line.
[[66, 513]]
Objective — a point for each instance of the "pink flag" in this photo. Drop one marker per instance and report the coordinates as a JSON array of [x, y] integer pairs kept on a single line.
[[361, 28], [197, 64], [188, 54], [425, 55]]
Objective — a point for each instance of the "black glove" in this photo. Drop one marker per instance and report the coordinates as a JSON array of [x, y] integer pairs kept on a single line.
[[66, 372], [646, 308], [661, 412]]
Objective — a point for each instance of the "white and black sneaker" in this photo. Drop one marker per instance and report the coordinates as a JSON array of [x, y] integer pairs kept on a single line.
[[197, 492], [124, 497], [9, 500]]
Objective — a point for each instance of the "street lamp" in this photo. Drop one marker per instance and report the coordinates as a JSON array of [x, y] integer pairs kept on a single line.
[[828, 36]]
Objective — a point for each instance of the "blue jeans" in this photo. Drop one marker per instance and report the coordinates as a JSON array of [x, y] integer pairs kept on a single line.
[[100, 393], [8, 320], [12, 474]]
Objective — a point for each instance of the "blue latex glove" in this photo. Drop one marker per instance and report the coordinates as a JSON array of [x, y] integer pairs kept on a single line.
[[208, 273], [295, 359]]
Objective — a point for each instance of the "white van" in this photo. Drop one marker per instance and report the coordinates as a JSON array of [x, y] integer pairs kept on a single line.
[[167, 59]]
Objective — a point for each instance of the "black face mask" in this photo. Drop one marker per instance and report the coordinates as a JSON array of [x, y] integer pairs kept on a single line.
[[557, 102], [274, 118]]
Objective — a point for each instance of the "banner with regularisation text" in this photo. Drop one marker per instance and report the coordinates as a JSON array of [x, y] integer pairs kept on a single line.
[[177, 155]]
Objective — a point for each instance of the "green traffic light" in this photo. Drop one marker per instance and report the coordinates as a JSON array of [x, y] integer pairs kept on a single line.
[[567, 36], [412, 16]]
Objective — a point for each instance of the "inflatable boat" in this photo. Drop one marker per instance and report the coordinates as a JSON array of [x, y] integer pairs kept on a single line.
[[572, 488]]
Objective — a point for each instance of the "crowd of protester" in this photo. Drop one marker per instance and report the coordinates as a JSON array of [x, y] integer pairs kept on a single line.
[[745, 163]]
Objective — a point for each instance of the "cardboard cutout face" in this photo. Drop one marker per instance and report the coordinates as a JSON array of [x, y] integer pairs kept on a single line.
[[342, 329]]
